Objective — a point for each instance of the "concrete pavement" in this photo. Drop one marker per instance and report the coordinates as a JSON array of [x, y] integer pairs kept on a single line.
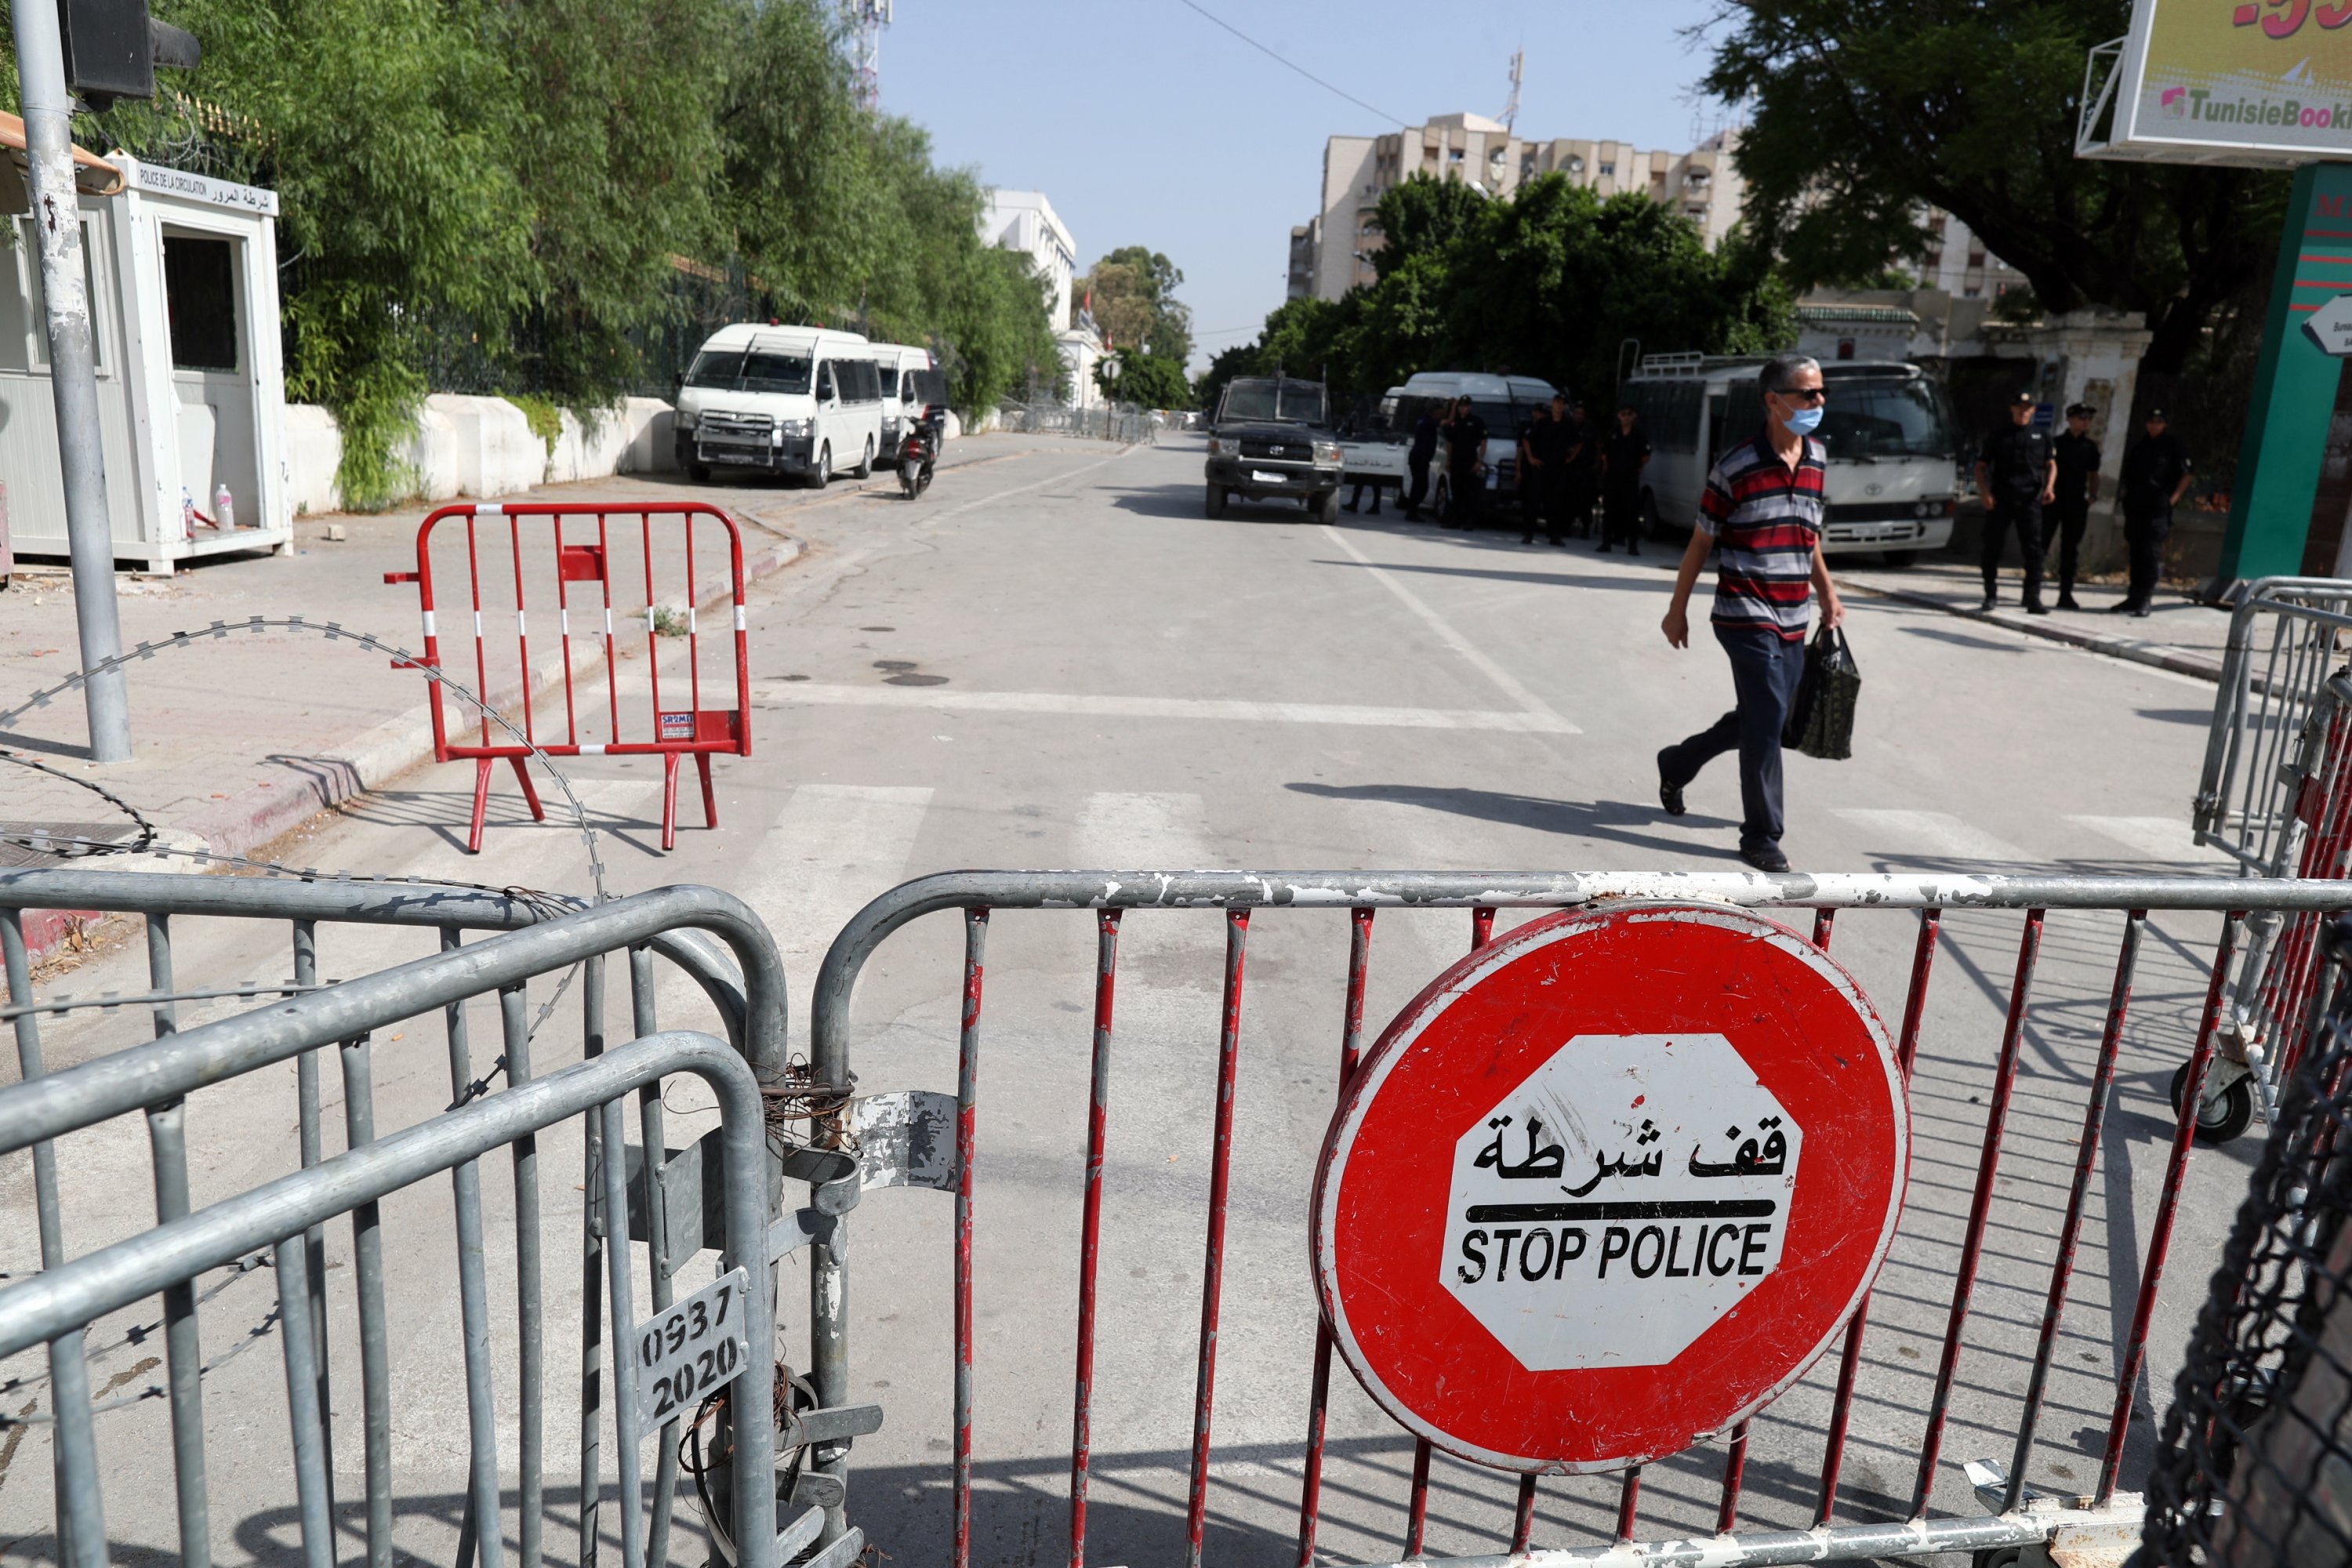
[[1056, 660]]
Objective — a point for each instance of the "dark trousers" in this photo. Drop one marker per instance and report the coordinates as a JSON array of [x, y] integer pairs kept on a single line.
[[2145, 527], [1467, 490], [1580, 490], [1546, 497], [1620, 519], [2025, 516], [1356, 497], [2065, 520], [1764, 670], [1417, 488]]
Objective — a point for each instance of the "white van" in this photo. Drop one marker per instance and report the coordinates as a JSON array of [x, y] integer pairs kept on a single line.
[[781, 400], [1506, 403], [911, 384], [1892, 479]]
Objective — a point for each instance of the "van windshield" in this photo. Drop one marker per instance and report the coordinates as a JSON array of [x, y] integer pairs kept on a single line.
[[751, 370], [1291, 402], [1886, 419]]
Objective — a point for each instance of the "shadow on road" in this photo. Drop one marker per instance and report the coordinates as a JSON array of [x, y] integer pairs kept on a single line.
[[1607, 819]]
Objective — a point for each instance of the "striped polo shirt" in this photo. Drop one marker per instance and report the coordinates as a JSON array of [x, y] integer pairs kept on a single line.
[[1764, 518]]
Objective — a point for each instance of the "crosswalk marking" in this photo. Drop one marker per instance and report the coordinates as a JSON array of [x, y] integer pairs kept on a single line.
[[830, 850], [1929, 834], [1112, 706], [2157, 837]]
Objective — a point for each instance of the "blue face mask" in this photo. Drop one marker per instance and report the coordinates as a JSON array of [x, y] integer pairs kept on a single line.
[[1805, 421]]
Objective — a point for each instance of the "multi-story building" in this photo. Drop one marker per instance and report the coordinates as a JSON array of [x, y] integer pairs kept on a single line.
[[1025, 221], [1333, 252], [1956, 261]]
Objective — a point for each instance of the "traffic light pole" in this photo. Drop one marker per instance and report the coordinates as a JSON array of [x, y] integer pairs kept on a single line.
[[73, 372]]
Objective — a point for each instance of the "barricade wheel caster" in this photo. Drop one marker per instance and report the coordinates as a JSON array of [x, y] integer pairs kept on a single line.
[[2222, 1118]]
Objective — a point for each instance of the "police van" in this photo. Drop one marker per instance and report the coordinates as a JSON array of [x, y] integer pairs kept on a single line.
[[912, 384], [802, 400], [1508, 404], [1887, 425]]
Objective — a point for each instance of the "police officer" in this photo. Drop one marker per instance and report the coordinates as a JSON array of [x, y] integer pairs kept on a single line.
[[2015, 472], [1466, 465], [1623, 454], [1545, 452], [2156, 472], [2077, 456], [1583, 470], [1418, 457]]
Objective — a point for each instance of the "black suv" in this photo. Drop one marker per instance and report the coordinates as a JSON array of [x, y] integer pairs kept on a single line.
[[1273, 437]]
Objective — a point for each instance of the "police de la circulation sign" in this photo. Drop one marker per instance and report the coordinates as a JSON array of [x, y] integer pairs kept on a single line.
[[1609, 1185]]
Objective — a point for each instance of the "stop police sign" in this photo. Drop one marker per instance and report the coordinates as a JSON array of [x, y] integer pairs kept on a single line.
[[1609, 1185]]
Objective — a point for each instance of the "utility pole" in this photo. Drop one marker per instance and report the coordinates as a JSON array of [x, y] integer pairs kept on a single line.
[[73, 374]]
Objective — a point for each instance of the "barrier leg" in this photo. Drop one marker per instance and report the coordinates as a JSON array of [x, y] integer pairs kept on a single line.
[[530, 791], [710, 796], [481, 804], [669, 801]]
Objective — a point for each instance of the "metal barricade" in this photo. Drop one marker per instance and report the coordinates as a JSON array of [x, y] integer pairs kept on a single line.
[[1968, 1216], [623, 565], [720, 1192], [2255, 1466], [2271, 679]]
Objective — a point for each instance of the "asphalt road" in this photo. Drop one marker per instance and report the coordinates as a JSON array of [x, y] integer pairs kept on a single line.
[[1055, 660]]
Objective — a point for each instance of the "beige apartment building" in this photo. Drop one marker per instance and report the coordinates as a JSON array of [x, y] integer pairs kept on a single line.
[[1330, 253]]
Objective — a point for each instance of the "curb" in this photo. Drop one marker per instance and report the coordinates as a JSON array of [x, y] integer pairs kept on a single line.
[[2155, 655], [326, 779]]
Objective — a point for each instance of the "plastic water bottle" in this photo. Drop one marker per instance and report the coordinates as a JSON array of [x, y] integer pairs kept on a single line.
[[187, 511], [223, 507]]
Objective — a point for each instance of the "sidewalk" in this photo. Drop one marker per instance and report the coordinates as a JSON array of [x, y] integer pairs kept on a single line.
[[243, 737], [2179, 634]]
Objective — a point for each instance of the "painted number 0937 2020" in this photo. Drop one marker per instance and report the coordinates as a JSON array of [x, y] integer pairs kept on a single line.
[[691, 1349]]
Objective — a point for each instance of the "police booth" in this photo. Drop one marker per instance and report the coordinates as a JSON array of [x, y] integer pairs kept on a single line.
[[182, 279]]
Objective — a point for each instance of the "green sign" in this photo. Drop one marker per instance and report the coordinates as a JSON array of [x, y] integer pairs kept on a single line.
[[2295, 385]]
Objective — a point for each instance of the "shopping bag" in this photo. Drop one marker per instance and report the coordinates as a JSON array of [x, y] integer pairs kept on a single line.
[[1820, 716]]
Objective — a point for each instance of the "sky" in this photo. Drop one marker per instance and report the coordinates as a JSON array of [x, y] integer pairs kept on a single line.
[[1145, 123]]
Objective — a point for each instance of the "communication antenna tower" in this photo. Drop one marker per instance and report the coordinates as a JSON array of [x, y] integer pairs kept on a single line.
[[866, 18], [1510, 115]]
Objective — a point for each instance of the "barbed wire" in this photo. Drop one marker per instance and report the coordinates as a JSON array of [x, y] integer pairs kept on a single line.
[[136, 1335]]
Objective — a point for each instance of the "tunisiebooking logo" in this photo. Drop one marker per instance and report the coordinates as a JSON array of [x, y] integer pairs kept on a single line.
[[2206, 107]]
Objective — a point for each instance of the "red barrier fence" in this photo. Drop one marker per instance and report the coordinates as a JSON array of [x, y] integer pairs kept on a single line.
[[610, 563]]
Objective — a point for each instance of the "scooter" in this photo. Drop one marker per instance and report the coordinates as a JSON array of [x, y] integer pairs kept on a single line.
[[918, 449]]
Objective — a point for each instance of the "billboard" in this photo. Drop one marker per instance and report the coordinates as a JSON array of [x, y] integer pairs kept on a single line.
[[2263, 83]]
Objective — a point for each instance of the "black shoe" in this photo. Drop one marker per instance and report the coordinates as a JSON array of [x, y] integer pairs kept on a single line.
[[1602, 550], [1765, 857], [2036, 607], [1989, 606], [1633, 549], [1411, 515], [2125, 608], [2066, 602], [1348, 506], [1670, 795], [1374, 513], [1529, 539], [1560, 543], [2140, 614]]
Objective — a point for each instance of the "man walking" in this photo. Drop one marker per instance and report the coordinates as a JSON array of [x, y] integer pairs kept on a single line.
[[2156, 473], [1466, 465], [1763, 509], [1544, 454], [1417, 460], [2015, 472], [1623, 456], [2077, 458]]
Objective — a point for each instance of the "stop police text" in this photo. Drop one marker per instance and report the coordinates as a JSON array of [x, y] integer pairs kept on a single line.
[[1717, 1249]]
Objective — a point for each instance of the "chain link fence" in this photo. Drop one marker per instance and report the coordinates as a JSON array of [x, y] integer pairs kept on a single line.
[[2255, 1466]]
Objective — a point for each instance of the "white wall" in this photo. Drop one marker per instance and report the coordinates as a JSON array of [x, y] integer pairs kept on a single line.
[[482, 447]]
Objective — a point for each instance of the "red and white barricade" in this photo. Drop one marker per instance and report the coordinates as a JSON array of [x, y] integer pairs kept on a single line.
[[600, 567]]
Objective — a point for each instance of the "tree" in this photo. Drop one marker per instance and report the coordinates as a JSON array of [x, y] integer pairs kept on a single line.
[[1134, 292], [1145, 379], [1867, 112]]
